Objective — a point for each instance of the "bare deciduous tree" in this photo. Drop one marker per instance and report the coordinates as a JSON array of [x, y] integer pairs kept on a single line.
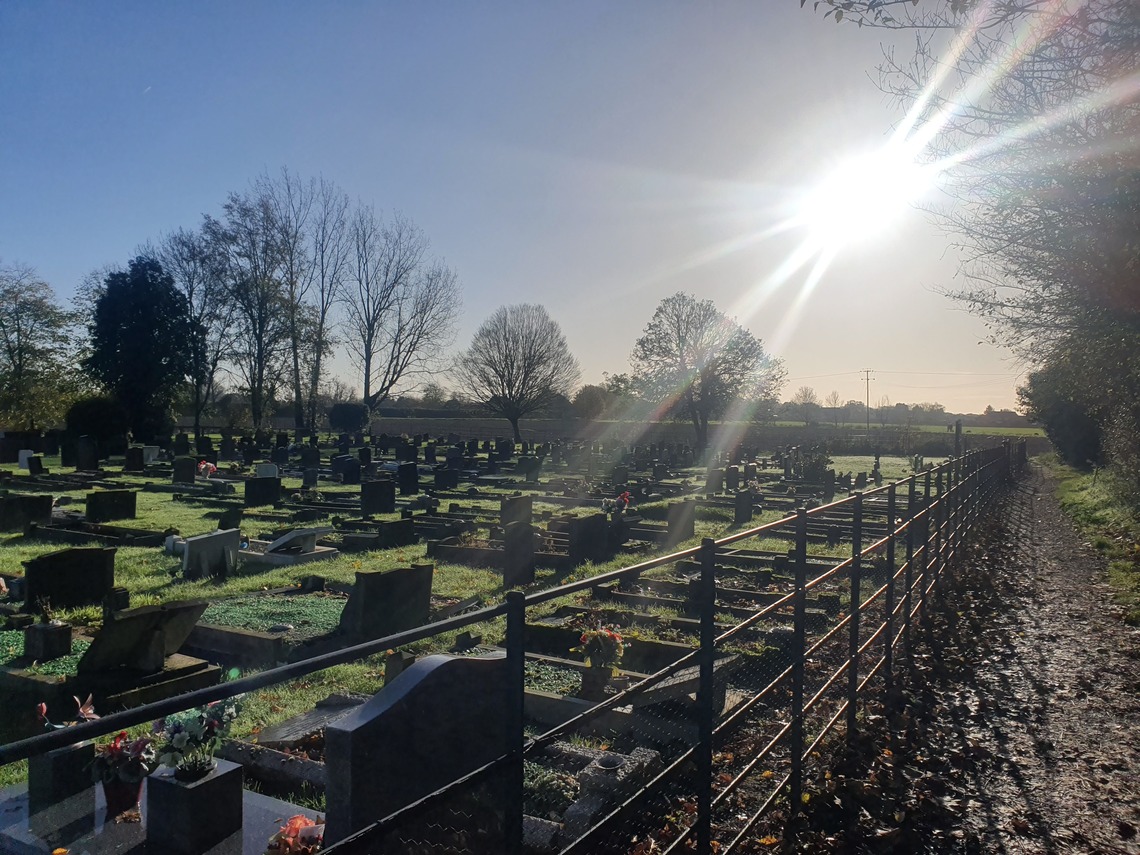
[[518, 363], [834, 403], [401, 306]]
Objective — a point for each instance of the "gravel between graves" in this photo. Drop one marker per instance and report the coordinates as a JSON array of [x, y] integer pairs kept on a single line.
[[1018, 731]]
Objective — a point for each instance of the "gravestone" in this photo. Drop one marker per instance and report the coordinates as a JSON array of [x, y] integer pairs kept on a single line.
[[715, 480], [429, 454], [619, 475], [350, 470], [212, 555], [279, 456], [266, 470], [438, 720], [68, 451], [518, 554], [400, 532], [22, 457], [141, 639], [386, 602], [281, 440], [454, 458], [150, 454], [106, 505], [230, 518], [69, 578], [408, 477], [310, 457], [749, 471], [86, 454], [378, 497], [364, 455], [516, 509], [181, 444], [262, 491], [681, 521], [18, 511], [310, 478], [203, 445], [227, 448], [185, 470], [742, 508], [36, 466], [660, 472], [732, 479], [588, 538], [446, 479], [135, 462]]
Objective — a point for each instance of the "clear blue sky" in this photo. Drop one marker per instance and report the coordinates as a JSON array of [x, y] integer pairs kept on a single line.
[[594, 157]]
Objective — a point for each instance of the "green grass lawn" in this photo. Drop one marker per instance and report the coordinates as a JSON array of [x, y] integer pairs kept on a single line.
[[1111, 526]]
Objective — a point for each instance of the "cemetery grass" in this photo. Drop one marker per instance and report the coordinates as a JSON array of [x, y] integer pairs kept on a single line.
[[1109, 526]]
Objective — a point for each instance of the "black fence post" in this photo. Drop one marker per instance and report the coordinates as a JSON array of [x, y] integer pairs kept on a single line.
[[889, 604], [924, 582], [796, 733], [939, 536], [516, 666], [705, 695], [856, 598], [908, 575]]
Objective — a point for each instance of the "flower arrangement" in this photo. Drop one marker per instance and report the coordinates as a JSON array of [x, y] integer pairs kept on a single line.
[[85, 711], [191, 738], [123, 759], [299, 836], [602, 647], [618, 504]]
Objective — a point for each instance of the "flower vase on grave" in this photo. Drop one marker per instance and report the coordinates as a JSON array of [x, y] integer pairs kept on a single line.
[[121, 796], [192, 816], [594, 683]]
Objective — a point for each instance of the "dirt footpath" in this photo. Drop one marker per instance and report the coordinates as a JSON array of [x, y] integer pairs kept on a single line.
[[1019, 731]]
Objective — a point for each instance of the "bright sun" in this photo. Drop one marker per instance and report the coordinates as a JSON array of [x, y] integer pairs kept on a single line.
[[863, 198]]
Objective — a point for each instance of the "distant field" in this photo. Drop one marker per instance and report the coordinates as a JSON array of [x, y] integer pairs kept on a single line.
[[979, 430]]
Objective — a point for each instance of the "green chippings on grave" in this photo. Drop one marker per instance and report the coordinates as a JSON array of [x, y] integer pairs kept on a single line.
[[310, 615], [12, 649], [551, 678], [547, 792]]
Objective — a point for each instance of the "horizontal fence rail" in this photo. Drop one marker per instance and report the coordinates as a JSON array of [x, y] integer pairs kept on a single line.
[[749, 739]]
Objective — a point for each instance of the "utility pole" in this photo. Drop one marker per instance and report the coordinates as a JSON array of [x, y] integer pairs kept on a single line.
[[867, 376]]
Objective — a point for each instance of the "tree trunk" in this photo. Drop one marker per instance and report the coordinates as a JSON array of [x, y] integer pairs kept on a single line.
[[515, 427]]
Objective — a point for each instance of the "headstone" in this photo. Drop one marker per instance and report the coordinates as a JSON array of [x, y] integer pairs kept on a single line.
[[204, 445], [437, 721], [588, 538], [310, 457], [310, 478], [408, 477], [742, 509], [135, 460], [86, 454], [619, 475], [281, 440], [19, 510], [446, 479], [141, 639], [230, 518], [732, 479], [400, 532], [106, 505], [36, 466], [68, 451], [68, 578], [350, 471], [185, 470], [279, 456], [262, 491], [181, 444], [518, 555], [212, 555], [386, 602], [22, 457], [227, 448], [454, 458], [715, 480], [681, 522], [378, 497], [364, 455], [514, 509], [266, 470]]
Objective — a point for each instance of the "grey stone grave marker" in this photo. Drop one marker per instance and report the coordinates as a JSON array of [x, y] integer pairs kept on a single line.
[[141, 639], [742, 509], [384, 603], [681, 522], [438, 720], [36, 466], [181, 444], [518, 554], [185, 470], [310, 478], [266, 470], [516, 509], [588, 538], [212, 555]]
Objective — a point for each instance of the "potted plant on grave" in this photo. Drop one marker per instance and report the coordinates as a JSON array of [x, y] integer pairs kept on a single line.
[[121, 765], [190, 739], [602, 649]]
